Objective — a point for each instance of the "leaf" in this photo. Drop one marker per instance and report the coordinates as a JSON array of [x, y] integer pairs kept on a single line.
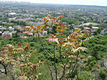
[[60, 17], [58, 34], [86, 32], [10, 49], [26, 49], [79, 48], [49, 16], [27, 45], [53, 36], [77, 29], [54, 18], [19, 44], [46, 21], [32, 26]]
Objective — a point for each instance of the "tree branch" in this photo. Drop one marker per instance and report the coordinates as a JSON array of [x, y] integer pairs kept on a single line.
[[5, 67], [55, 62]]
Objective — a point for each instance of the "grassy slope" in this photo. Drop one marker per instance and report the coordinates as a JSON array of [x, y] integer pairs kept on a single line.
[[98, 44]]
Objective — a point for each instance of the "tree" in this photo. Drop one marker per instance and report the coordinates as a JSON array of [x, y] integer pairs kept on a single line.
[[65, 48]]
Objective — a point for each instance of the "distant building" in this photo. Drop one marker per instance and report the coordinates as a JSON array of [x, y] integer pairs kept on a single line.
[[14, 32], [104, 31], [75, 26], [11, 28], [23, 37], [44, 33], [86, 28], [2, 28], [87, 24], [17, 27], [30, 34], [0, 22], [6, 34], [95, 28], [12, 14], [10, 19]]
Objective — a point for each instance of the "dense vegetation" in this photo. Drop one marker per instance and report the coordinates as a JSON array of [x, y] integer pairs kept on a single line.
[[96, 47], [78, 56]]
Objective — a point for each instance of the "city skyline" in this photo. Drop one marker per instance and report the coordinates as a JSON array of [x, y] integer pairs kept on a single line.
[[74, 2]]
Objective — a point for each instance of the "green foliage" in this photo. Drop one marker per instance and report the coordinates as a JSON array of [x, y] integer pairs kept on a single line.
[[63, 53], [85, 75], [70, 21], [103, 74], [22, 23], [97, 46]]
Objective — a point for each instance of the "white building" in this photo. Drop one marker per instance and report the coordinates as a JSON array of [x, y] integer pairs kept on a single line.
[[14, 32], [87, 24], [104, 31], [6, 34], [95, 28], [11, 28], [44, 33], [12, 14], [2, 28]]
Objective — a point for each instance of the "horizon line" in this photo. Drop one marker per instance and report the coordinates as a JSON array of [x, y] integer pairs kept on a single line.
[[52, 3]]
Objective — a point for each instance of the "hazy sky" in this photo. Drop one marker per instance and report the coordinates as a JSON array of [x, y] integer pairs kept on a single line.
[[81, 2]]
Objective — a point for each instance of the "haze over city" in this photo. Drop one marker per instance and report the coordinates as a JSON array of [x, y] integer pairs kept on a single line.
[[74, 2]]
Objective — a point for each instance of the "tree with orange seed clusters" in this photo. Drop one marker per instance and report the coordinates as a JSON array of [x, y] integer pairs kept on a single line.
[[63, 45]]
